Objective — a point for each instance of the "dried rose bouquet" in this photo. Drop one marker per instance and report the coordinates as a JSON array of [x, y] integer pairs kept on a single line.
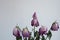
[[42, 34]]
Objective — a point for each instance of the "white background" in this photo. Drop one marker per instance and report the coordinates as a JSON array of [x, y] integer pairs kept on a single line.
[[20, 12]]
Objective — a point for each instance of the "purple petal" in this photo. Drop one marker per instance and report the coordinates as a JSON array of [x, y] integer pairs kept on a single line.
[[34, 15], [34, 22]]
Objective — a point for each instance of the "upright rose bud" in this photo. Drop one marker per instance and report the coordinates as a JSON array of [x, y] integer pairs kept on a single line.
[[16, 31], [42, 30], [55, 26], [25, 32], [34, 21]]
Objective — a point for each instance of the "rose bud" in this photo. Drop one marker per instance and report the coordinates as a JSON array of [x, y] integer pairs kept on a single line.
[[42, 30], [25, 32], [34, 21], [55, 26], [16, 31]]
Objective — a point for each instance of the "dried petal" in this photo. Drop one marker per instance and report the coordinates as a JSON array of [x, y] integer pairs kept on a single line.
[[34, 22]]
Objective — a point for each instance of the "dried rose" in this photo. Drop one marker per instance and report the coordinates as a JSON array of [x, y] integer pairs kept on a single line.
[[34, 21], [25, 32], [42, 30], [16, 31], [55, 26]]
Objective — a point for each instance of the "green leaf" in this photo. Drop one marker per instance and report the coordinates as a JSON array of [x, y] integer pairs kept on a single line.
[[49, 34], [19, 38], [37, 35], [30, 38], [43, 38], [37, 38]]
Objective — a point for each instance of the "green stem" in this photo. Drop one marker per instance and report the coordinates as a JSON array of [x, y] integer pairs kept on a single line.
[[17, 38], [34, 32]]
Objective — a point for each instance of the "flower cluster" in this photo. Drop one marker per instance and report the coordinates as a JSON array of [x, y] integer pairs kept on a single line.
[[38, 35]]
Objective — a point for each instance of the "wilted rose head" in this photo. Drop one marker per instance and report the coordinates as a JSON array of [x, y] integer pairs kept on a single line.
[[34, 21], [42, 30], [25, 32], [16, 31], [55, 26]]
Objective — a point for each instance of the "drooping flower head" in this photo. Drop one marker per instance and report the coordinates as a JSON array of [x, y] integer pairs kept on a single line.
[[16, 31], [25, 32], [55, 26], [34, 21], [42, 30]]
